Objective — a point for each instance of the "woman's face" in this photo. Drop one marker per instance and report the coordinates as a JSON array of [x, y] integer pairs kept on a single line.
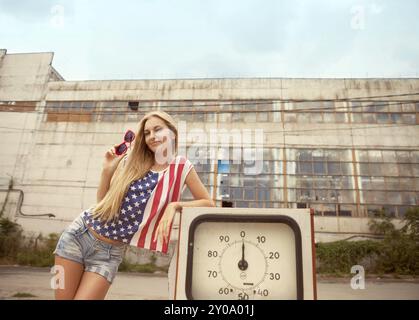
[[154, 129]]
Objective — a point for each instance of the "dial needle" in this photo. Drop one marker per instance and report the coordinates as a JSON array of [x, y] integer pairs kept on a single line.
[[243, 263]]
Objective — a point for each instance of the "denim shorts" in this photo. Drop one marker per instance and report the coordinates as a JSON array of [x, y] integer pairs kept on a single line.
[[78, 244]]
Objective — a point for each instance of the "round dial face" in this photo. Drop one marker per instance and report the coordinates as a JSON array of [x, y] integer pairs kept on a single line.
[[244, 258]]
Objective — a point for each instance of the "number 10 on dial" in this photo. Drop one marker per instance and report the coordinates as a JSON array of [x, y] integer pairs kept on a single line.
[[244, 257]]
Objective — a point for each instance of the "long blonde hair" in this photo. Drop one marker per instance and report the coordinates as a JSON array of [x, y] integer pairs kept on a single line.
[[139, 162]]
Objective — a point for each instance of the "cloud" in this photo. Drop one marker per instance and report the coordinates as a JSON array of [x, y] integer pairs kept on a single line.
[[29, 11], [197, 38]]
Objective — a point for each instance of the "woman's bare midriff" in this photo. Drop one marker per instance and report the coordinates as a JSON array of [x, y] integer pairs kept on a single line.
[[104, 239]]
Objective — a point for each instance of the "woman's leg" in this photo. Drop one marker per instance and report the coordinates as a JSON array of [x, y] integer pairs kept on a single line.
[[73, 272], [93, 286]]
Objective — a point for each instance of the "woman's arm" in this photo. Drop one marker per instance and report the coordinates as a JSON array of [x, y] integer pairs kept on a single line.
[[202, 199], [104, 183], [199, 192], [111, 164]]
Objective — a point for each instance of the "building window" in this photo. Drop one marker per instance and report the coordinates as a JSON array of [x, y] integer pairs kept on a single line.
[[70, 111]]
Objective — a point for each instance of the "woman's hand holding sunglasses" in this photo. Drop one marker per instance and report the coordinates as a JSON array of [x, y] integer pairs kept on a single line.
[[111, 161], [114, 155]]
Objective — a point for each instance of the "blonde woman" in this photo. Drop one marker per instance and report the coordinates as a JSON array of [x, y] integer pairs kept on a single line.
[[137, 200]]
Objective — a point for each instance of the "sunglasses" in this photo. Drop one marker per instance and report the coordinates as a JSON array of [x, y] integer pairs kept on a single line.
[[128, 138]]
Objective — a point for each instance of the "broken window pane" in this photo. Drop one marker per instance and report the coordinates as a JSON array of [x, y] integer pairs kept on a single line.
[[366, 183], [340, 117], [374, 197], [383, 118], [263, 181], [277, 167], [319, 168], [362, 156], [346, 168], [347, 210], [291, 154], [377, 183], [347, 196], [405, 169], [347, 182], [370, 108], [396, 118], [333, 155], [263, 116], [381, 106], [409, 118], [291, 167], [248, 182], [407, 184], [403, 156], [329, 210], [395, 107], [303, 117], [305, 168], [357, 117], [276, 194], [304, 155], [235, 180], [364, 169], [392, 183], [291, 181], [369, 118], [236, 193], [316, 117], [329, 117], [291, 195], [375, 155], [375, 169], [409, 198], [333, 168], [263, 194], [390, 210], [321, 195], [408, 107], [249, 193], [290, 117], [390, 169], [389, 156]]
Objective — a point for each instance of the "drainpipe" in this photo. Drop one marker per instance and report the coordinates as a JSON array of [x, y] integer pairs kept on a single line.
[[20, 202]]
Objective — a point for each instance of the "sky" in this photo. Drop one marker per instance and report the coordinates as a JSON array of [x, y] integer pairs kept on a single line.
[[182, 39]]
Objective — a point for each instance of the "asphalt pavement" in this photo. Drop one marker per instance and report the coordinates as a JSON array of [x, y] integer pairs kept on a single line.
[[136, 286]]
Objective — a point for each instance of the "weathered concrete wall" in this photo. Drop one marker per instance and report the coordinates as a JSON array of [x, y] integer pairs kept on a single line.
[[23, 77], [219, 89]]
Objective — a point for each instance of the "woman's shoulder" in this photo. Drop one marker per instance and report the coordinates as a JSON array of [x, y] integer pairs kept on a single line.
[[180, 159]]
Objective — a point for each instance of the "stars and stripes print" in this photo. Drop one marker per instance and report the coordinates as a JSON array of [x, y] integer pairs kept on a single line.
[[143, 206]]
